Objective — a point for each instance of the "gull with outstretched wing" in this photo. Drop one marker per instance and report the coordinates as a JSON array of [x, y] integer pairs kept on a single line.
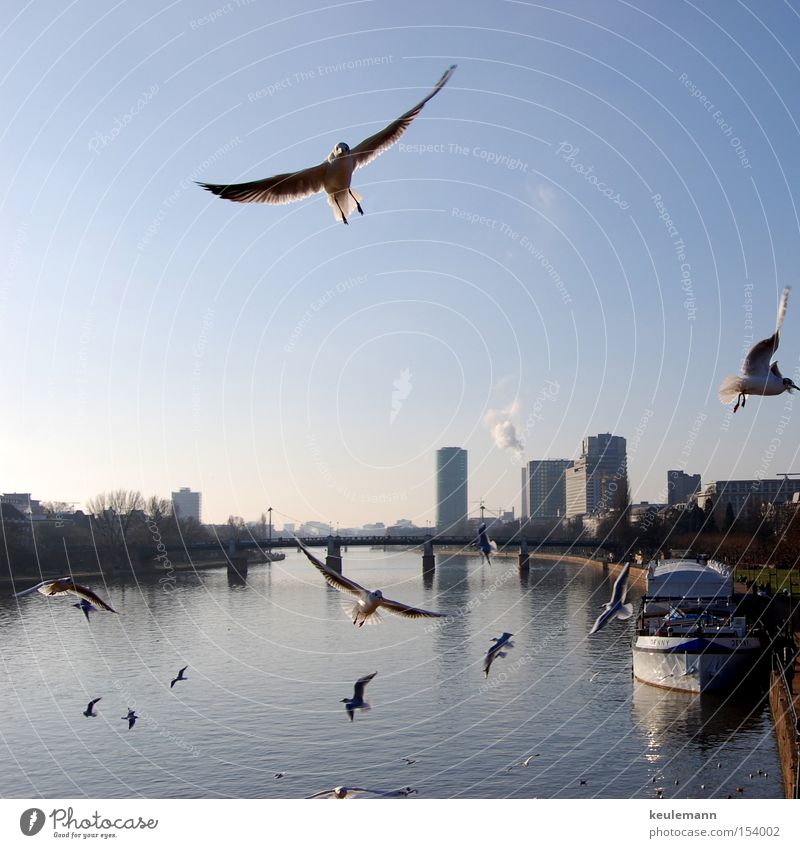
[[759, 376], [66, 586], [332, 176], [364, 610]]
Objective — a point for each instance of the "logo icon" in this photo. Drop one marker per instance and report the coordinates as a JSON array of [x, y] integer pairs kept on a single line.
[[31, 821]]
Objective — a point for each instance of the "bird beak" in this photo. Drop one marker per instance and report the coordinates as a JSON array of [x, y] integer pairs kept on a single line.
[[792, 386]]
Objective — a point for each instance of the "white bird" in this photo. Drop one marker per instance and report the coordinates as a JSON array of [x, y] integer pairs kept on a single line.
[[758, 376], [357, 702], [331, 176], [89, 711], [179, 677], [527, 761], [66, 586], [485, 545], [365, 609], [616, 607], [344, 792], [500, 642]]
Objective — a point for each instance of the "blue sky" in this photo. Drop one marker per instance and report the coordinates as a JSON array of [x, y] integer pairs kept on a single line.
[[583, 232]]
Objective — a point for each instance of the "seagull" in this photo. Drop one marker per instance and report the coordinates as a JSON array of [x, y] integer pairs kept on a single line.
[[408, 761], [66, 586], [130, 718], [485, 545], [365, 608], [758, 377], [331, 176], [496, 651], [526, 762], [279, 775], [343, 792], [89, 711], [616, 607], [85, 607], [357, 702], [179, 677]]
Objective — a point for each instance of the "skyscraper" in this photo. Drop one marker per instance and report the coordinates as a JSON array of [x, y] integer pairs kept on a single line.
[[186, 504], [544, 488], [598, 475], [681, 486], [451, 490]]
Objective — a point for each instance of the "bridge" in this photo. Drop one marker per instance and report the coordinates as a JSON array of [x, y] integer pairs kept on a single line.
[[236, 552]]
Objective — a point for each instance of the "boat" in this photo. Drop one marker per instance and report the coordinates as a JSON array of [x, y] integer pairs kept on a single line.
[[689, 633]]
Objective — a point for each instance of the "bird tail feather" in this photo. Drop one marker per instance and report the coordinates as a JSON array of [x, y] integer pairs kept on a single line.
[[625, 612], [730, 388], [343, 203], [354, 613]]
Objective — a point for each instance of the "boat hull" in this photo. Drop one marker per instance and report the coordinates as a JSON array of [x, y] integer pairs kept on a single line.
[[693, 664]]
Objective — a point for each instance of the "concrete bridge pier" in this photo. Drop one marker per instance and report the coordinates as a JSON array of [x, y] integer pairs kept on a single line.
[[428, 557], [334, 558], [237, 563], [524, 560]]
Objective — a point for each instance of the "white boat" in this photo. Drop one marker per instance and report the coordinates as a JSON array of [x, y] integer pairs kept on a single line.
[[688, 635]]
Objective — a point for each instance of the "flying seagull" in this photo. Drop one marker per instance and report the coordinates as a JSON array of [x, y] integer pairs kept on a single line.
[[130, 718], [485, 545], [66, 586], [89, 711], [344, 792], [179, 677], [616, 607], [365, 609], [331, 176], [497, 650], [85, 607], [357, 702], [758, 377]]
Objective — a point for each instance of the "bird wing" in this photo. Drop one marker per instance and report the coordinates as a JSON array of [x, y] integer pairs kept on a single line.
[[358, 691], [92, 703], [409, 612], [757, 361], [282, 188], [337, 581], [89, 595], [372, 147], [620, 588], [603, 619], [31, 590], [181, 672]]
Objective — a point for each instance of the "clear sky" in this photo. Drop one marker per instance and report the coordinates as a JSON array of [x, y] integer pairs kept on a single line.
[[582, 233]]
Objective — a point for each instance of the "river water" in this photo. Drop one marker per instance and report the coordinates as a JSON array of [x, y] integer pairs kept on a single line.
[[269, 662]]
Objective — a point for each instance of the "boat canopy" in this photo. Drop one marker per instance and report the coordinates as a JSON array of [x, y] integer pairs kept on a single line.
[[682, 578]]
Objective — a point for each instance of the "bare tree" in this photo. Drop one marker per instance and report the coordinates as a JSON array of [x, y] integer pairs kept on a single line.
[[116, 516]]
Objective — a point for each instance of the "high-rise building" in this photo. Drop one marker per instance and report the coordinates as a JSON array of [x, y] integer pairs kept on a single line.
[[601, 471], [544, 490], [681, 486], [451, 490], [186, 504]]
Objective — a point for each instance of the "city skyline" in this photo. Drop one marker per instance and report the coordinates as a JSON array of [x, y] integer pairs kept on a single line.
[[583, 232]]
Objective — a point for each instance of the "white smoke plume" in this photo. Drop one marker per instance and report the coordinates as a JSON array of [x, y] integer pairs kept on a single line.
[[402, 389], [502, 428]]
